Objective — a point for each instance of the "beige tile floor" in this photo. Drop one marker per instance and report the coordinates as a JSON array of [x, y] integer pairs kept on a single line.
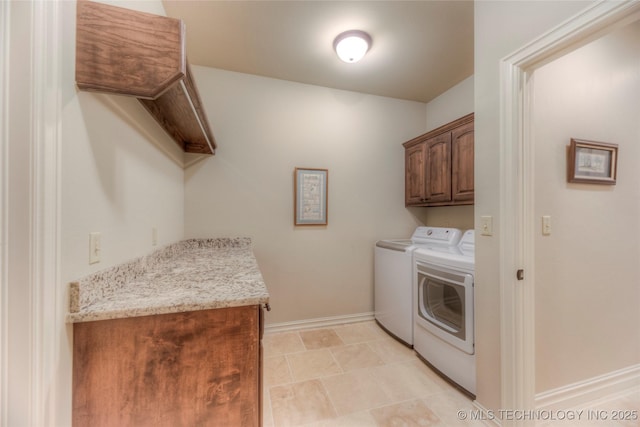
[[355, 375], [351, 376]]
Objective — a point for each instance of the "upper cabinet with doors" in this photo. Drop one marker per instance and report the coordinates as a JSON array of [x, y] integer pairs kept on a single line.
[[439, 166]]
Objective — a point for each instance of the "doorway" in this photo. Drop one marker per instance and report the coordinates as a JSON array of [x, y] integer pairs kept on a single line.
[[586, 293], [520, 138]]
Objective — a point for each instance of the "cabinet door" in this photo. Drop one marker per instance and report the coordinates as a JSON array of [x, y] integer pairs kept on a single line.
[[414, 186], [438, 161], [462, 163], [182, 369]]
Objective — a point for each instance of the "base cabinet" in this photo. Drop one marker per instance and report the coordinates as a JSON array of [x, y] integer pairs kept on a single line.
[[199, 368], [439, 166]]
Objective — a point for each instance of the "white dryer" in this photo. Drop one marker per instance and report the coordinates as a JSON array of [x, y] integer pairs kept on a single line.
[[443, 310], [393, 278]]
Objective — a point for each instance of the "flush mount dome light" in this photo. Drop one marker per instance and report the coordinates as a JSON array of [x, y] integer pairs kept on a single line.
[[352, 45]]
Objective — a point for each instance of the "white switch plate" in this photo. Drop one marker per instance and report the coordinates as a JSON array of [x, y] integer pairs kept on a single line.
[[94, 248], [486, 225], [154, 236], [546, 225]]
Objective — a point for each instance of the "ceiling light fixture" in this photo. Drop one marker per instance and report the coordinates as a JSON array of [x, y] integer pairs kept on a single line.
[[352, 45]]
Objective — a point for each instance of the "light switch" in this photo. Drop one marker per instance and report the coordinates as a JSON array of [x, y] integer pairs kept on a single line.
[[154, 236], [486, 225], [94, 248], [546, 225]]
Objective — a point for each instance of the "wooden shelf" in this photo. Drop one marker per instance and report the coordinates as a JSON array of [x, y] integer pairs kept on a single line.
[[126, 52]]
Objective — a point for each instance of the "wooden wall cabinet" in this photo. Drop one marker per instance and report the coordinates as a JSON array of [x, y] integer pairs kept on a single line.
[[126, 52], [415, 174], [439, 166], [184, 369]]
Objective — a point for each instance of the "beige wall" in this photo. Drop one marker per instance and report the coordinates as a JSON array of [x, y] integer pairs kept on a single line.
[[452, 104], [586, 271], [265, 128], [500, 29]]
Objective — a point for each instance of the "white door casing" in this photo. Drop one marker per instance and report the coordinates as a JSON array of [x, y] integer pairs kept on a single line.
[[31, 320]]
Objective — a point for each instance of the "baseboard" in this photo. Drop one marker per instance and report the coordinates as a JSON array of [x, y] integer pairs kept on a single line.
[[318, 322], [486, 416], [586, 392]]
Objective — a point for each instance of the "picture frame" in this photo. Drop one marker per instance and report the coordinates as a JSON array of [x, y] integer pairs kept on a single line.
[[592, 162], [310, 196]]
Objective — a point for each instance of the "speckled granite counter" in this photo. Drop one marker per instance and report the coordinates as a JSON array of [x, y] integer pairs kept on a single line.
[[191, 275]]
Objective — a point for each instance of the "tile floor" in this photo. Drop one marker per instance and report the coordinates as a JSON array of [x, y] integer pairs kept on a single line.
[[352, 375], [355, 375]]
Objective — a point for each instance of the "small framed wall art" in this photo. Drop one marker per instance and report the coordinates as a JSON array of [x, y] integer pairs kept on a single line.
[[310, 196], [592, 162]]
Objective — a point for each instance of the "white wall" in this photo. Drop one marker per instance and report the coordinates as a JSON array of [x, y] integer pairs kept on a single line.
[[586, 271], [449, 106], [265, 128], [16, 320], [500, 29]]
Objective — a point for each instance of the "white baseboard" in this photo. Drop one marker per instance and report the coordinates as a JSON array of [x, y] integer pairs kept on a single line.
[[319, 322], [487, 416], [589, 391]]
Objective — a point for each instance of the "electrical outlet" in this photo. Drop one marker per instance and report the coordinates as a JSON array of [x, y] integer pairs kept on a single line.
[[486, 225], [94, 248], [546, 225]]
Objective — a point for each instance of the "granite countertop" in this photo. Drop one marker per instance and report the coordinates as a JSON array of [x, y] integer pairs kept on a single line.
[[195, 274]]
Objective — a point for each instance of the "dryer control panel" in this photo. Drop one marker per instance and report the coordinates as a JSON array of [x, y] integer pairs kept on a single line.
[[437, 235]]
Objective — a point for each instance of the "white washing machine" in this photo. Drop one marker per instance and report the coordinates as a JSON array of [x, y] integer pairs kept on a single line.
[[393, 278], [443, 332]]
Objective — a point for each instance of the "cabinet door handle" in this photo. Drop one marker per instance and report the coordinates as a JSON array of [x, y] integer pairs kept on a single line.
[[267, 306]]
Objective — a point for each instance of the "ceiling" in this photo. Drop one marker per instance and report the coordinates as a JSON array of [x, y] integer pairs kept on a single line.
[[420, 48]]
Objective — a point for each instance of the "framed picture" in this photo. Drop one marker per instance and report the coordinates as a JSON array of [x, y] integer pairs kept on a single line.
[[310, 197], [592, 162]]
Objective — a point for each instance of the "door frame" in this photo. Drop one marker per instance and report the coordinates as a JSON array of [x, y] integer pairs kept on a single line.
[[517, 222], [32, 299], [4, 209]]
